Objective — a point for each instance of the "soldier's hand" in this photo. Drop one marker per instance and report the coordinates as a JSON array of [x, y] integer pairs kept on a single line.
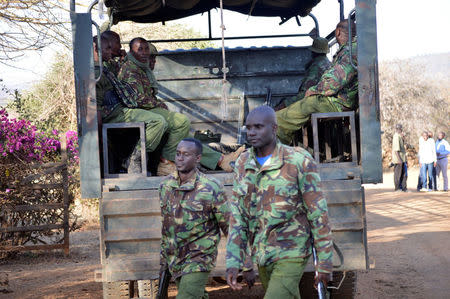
[[323, 277], [232, 274], [249, 277], [123, 53]]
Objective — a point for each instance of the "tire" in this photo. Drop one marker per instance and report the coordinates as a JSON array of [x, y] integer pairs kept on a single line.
[[346, 291], [116, 290], [148, 288]]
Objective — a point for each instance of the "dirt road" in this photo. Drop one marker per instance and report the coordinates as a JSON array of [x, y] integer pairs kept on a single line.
[[408, 234]]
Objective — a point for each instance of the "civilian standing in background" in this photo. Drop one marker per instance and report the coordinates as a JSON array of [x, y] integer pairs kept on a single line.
[[427, 160], [442, 151], [399, 159], [430, 186]]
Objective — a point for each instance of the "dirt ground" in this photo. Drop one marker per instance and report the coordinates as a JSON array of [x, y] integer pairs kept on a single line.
[[408, 235]]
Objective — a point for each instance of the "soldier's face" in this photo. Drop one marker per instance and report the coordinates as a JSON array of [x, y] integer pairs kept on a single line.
[[141, 51], [261, 131], [106, 50], [116, 47], [186, 157]]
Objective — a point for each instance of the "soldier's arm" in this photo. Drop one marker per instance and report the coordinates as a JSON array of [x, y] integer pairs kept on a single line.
[[334, 79], [317, 213], [238, 229], [221, 210], [128, 74], [164, 242]]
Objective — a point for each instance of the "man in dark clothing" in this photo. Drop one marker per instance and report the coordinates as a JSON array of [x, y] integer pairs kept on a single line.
[[399, 159]]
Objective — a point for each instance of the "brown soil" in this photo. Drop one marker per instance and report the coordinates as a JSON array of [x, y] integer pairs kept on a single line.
[[408, 233]]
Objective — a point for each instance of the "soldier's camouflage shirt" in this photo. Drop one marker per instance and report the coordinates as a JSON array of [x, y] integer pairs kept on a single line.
[[314, 71], [138, 80], [275, 207], [114, 65], [107, 100], [193, 215], [340, 81]]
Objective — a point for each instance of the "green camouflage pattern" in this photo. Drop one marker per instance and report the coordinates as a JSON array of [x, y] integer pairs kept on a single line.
[[193, 215], [114, 65], [314, 71], [275, 207], [103, 86], [340, 81], [137, 78]]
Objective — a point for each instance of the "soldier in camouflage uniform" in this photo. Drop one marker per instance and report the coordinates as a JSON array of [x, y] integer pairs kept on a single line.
[[276, 204], [117, 53], [194, 211], [116, 104], [336, 91], [137, 73], [318, 65]]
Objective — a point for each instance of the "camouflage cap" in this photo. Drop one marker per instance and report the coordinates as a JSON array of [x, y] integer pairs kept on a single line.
[[320, 45], [153, 50]]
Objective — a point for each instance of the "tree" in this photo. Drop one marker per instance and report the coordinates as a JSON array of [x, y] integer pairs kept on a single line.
[[416, 100], [50, 103], [30, 25]]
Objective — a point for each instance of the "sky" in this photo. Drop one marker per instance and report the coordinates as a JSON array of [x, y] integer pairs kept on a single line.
[[406, 28]]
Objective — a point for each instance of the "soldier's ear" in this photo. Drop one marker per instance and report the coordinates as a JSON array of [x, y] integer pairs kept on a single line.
[[199, 157]]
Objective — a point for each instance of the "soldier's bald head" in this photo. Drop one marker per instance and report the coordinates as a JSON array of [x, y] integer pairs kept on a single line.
[[264, 112]]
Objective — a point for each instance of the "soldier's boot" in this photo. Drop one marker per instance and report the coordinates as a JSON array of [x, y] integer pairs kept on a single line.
[[165, 167], [135, 161], [227, 161]]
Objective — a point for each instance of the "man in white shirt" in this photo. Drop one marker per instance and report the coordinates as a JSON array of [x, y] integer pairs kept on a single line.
[[442, 151], [427, 160]]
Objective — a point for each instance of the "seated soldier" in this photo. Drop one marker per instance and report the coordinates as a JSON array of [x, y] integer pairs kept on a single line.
[[314, 70], [137, 73], [115, 103], [117, 53], [336, 91]]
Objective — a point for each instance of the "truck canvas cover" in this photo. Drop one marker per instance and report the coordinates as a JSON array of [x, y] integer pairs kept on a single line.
[[152, 11]]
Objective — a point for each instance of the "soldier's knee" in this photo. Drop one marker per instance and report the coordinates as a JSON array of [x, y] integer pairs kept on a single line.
[[158, 123], [184, 120]]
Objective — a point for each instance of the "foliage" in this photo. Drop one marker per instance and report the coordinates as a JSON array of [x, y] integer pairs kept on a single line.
[[417, 101], [51, 102], [30, 25], [27, 158], [129, 30]]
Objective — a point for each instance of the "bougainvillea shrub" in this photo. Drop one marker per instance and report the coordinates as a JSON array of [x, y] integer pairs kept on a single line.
[[24, 154]]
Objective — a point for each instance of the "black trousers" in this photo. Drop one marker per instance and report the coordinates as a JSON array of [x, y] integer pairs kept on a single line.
[[399, 176]]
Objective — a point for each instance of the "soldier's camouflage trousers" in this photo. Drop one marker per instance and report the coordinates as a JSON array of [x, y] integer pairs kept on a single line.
[[293, 117], [157, 122], [178, 128], [282, 278], [155, 125], [192, 286]]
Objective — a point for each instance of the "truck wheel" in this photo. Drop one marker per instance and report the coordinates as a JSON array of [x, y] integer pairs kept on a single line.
[[148, 288], [116, 289], [346, 291]]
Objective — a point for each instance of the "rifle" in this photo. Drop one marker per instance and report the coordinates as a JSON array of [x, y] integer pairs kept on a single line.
[[321, 290], [163, 285]]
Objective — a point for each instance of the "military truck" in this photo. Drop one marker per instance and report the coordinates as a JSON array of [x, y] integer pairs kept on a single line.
[[346, 145]]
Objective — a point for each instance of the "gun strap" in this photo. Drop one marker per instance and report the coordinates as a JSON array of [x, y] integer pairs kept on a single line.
[[340, 255]]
